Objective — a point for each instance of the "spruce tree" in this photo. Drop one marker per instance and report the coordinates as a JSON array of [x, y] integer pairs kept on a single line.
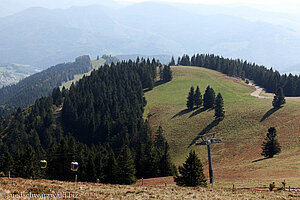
[[167, 73], [279, 99], [271, 145], [190, 101], [172, 61], [165, 166], [7, 163], [198, 98], [126, 171], [30, 163], [219, 108], [209, 98], [161, 74], [111, 169], [191, 173]]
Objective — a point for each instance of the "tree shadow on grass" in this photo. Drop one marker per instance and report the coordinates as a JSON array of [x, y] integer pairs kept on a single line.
[[205, 130], [158, 83], [198, 112], [261, 159], [269, 113], [147, 90], [185, 111]]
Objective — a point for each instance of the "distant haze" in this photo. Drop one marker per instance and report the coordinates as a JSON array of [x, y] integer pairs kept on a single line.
[[288, 6], [50, 32]]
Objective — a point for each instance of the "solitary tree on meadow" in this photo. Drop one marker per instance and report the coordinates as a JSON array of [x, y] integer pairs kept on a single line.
[[279, 98], [271, 145]]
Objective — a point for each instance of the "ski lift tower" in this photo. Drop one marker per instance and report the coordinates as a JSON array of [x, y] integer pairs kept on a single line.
[[208, 139]]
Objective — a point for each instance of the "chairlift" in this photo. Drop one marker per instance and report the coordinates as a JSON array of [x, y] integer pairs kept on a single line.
[[74, 166], [43, 164]]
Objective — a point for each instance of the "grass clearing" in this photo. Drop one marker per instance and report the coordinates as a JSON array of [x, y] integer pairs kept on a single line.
[[243, 129]]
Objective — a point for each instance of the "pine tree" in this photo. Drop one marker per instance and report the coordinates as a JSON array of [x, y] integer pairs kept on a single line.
[[190, 101], [161, 73], [30, 164], [7, 163], [219, 108], [111, 169], [57, 96], [126, 171], [159, 140], [271, 145], [279, 99], [191, 173], [209, 98], [165, 165], [172, 61], [198, 98], [167, 73]]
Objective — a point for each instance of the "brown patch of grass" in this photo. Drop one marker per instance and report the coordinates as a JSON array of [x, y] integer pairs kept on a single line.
[[171, 191]]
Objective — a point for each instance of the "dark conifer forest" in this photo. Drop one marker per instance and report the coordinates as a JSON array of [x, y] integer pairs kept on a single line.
[[267, 78], [98, 123], [40, 84]]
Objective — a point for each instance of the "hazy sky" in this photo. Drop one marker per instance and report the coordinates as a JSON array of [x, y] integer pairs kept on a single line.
[[291, 6], [12, 6]]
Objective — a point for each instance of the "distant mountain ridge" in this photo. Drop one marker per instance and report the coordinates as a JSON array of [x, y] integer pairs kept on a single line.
[[43, 37]]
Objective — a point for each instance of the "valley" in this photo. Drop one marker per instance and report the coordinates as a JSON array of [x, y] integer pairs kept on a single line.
[[13, 73]]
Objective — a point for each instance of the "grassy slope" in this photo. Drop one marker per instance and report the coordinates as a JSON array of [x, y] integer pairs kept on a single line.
[[100, 191], [241, 130], [96, 64]]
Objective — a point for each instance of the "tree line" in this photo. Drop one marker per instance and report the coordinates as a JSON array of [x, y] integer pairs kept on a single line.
[[267, 78], [98, 123]]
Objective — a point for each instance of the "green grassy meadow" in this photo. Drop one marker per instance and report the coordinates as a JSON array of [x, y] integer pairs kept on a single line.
[[237, 159]]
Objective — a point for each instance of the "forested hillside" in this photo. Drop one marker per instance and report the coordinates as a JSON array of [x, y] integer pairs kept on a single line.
[[41, 84], [98, 122], [266, 78]]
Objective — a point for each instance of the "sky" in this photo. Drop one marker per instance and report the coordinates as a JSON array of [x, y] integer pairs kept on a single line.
[[8, 7], [285, 6]]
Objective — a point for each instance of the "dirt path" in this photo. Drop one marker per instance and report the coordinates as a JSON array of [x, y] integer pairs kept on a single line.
[[257, 92]]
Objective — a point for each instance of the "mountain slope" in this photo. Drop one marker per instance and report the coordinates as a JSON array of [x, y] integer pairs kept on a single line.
[[59, 35], [41, 84], [243, 130], [43, 37], [215, 33]]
